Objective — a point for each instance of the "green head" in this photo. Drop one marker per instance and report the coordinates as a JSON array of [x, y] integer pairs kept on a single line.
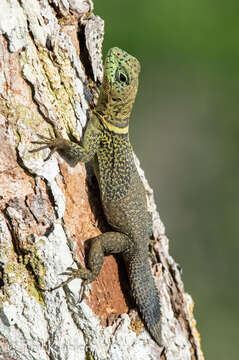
[[119, 88]]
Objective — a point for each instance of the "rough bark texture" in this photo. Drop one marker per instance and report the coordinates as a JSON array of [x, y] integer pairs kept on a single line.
[[50, 63]]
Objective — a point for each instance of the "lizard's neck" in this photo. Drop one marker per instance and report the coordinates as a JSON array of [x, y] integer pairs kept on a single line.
[[114, 113], [116, 125]]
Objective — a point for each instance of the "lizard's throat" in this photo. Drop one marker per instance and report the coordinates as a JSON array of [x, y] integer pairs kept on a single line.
[[117, 125], [113, 121]]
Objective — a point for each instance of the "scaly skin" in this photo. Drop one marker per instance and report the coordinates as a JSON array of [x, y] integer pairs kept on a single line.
[[106, 142]]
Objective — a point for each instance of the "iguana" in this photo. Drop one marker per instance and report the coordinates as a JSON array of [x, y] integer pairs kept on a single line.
[[106, 143]]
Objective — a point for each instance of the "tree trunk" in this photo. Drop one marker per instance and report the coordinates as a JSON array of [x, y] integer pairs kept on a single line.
[[50, 67]]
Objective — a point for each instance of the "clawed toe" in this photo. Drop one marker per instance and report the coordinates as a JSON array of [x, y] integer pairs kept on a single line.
[[46, 142], [50, 154], [45, 138], [39, 148], [70, 272]]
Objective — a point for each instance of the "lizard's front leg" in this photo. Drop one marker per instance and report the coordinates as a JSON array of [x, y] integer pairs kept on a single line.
[[53, 142], [84, 152]]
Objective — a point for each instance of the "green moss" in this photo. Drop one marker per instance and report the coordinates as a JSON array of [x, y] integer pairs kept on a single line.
[[33, 291], [89, 356], [5, 107], [37, 266], [27, 116], [59, 75], [55, 76], [4, 298], [17, 272]]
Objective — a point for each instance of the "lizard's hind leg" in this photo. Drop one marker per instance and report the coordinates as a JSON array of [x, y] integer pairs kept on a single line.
[[104, 244]]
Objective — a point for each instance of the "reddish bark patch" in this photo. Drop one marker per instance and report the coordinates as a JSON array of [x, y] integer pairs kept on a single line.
[[13, 181], [106, 299]]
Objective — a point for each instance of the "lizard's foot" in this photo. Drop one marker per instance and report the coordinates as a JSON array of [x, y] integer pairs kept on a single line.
[[82, 273], [55, 143], [86, 275]]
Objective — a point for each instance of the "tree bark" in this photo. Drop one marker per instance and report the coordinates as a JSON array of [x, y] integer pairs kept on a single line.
[[50, 67]]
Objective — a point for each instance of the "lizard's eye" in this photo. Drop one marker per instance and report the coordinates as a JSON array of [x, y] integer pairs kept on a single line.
[[121, 77]]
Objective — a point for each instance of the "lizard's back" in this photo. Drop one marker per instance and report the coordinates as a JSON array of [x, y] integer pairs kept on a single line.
[[122, 192], [124, 201]]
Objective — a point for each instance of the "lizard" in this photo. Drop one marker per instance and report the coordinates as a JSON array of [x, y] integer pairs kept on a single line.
[[106, 144]]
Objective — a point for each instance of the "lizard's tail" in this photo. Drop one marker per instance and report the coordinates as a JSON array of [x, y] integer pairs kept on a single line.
[[145, 294]]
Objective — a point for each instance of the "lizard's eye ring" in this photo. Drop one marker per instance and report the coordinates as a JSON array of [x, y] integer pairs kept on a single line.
[[122, 77]]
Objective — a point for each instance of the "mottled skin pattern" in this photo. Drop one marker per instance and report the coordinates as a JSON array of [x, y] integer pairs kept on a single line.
[[106, 142]]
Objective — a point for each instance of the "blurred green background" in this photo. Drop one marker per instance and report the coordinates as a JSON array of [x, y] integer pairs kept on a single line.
[[185, 131]]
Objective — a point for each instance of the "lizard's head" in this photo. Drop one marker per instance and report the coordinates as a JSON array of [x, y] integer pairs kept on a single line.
[[119, 88]]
